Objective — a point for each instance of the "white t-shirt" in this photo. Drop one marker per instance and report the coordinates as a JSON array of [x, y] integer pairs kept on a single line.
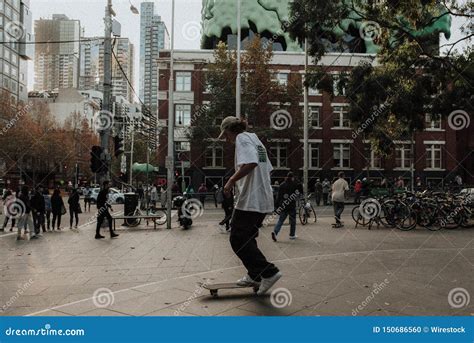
[[338, 190], [254, 192]]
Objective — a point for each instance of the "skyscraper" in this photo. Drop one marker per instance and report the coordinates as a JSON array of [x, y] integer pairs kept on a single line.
[[92, 66], [154, 37], [15, 29], [57, 64]]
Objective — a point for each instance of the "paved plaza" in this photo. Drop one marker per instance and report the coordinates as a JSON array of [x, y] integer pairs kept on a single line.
[[326, 271]]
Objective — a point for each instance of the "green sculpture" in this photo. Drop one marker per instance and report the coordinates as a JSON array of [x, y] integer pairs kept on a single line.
[[270, 18], [144, 168]]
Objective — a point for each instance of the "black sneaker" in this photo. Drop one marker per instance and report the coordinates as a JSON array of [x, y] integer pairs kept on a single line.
[[274, 236], [114, 235], [99, 237]]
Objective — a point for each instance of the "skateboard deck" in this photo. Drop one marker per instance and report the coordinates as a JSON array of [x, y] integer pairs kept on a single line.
[[215, 287]]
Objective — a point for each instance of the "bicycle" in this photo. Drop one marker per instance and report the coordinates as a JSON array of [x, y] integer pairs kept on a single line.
[[150, 211], [306, 211]]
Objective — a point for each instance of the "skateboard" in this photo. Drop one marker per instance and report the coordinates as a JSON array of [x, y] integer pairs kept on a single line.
[[215, 287]]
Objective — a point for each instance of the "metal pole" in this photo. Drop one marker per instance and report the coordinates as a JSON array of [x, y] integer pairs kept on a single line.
[[170, 158], [131, 154], [239, 82], [412, 166], [306, 127], [106, 102]]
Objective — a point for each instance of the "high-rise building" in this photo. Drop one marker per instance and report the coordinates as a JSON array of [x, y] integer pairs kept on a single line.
[[16, 25], [92, 66], [57, 64], [154, 37]]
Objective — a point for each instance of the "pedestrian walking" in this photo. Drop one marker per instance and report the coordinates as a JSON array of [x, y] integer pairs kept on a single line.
[[326, 189], [9, 199], [357, 191], [153, 196], [215, 192], [47, 213], [25, 217], [87, 199], [74, 208], [254, 202], [104, 206], [38, 209], [318, 191], [57, 209], [339, 189], [286, 206], [228, 207], [202, 191]]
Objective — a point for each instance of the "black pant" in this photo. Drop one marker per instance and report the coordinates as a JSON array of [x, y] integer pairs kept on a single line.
[[325, 198], [103, 213], [244, 231], [318, 199], [38, 220], [228, 210], [56, 216], [5, 223], [73, 214], [338, 209]]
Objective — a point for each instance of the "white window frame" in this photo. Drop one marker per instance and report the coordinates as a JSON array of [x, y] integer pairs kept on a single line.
[[180, 108], [341, 114], [213, 149], [183, 81], [310, 116], [431, 150], [430, 124], [341, 147], [275, 151], [277, 77], [405, 160], [312, 147], [336, 76]]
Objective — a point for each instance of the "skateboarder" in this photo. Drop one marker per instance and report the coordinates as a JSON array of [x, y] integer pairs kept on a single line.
[[254, 202]]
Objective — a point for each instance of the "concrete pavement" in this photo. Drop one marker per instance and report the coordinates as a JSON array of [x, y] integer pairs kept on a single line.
[[326, 271]]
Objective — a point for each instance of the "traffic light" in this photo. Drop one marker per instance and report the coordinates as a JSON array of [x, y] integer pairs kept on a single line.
[[118, 144], [96, 162]]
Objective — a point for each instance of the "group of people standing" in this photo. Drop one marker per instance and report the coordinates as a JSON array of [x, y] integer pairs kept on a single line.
[[37, 211]]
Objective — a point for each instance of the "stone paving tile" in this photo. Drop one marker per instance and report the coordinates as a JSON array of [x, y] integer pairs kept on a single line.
[[331, 270]]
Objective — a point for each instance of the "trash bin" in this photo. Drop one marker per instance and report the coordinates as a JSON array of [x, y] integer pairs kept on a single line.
[[130, 205]]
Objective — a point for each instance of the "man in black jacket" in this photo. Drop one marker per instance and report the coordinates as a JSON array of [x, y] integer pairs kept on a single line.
[[288, 193], [38, 209], [103, 206]]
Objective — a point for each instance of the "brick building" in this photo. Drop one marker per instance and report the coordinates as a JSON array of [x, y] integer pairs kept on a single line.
[[439, 152]]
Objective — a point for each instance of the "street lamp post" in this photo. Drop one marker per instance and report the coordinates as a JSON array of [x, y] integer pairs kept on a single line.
[[238, 81], [305, 126], [106, 101], [170, 158]]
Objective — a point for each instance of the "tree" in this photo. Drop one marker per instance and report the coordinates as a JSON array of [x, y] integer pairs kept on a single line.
[[261, 94], [390, 99]]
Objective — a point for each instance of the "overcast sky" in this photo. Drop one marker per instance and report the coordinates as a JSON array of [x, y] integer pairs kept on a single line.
[[188, 18]]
